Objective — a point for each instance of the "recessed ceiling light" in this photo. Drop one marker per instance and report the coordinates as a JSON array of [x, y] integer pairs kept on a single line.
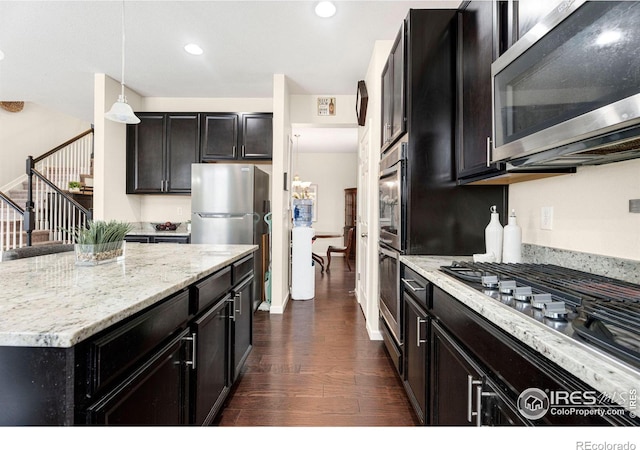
[[193, 49], [325, 9]]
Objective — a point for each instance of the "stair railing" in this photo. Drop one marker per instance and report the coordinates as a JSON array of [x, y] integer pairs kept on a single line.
[[48, 207], [56, 211], [11, 223]]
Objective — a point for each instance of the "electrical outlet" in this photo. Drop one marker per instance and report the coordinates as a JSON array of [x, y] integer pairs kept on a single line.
[[546, 218], [179, 212]]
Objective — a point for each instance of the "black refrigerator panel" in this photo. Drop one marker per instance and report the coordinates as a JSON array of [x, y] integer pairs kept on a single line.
[[442, 218]]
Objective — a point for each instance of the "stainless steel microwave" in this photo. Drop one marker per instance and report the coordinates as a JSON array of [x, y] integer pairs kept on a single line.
[[567, 93]]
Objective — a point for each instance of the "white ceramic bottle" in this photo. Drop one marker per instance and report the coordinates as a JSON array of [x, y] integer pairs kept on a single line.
[[493, 236], [512, 246]]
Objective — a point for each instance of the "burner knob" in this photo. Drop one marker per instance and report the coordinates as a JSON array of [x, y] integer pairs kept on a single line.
[[523, 293], [539, 300], [555, 310], [490, 281], [507, 286]]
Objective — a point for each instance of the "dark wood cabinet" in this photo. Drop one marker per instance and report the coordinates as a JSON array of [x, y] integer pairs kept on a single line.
[[154, 394], [393, 93], [231, 136], [477, 49], [350, 218], [416, 356], [241, 325], [209, 364], [219, 138], [158, 239], [173, 363], [257, 136], [160, 151]]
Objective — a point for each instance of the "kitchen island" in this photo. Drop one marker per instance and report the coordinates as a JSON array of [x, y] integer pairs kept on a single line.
[[77, 341], [616, 380]]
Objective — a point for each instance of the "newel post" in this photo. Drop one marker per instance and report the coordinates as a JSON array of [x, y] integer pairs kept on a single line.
[[29, 213]]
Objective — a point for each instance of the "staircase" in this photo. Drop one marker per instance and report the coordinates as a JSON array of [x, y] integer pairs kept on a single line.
[[55, 213]]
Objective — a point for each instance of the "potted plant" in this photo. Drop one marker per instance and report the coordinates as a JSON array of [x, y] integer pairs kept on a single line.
[[100, 242], [74, 186]]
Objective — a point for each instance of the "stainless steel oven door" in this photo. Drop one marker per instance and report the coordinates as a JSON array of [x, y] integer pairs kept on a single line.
[[389, 283], [391, 191], [572, 77]]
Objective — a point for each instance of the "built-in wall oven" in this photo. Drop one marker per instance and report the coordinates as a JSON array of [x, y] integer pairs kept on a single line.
[[392, 189]]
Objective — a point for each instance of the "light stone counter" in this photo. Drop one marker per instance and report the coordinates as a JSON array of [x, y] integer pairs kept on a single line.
[[48, 301], [603, 373]]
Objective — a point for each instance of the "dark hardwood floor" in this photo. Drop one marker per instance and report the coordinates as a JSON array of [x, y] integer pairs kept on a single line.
[[314, 365]]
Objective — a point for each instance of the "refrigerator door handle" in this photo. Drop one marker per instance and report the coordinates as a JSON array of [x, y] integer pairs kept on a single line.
[[220, 216]]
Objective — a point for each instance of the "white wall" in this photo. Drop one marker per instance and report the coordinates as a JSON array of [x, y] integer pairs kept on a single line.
[[590, 210], [281, 214], [372, 132], [304, 110], [332, 173], [110, 201], [31, 132]]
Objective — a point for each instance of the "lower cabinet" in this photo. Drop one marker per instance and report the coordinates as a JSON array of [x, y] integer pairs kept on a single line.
[[460, 394], [209, 362], [173, 363], [461, 370], [241, 325], [416, 354], [157, 239], [153, 395]]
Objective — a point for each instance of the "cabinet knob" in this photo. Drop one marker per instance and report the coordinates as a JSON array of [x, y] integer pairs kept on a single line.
[[364, 235]]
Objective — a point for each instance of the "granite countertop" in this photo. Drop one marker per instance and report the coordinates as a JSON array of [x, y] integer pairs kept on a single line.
[[48, 301], [593, 367], [147, 229]]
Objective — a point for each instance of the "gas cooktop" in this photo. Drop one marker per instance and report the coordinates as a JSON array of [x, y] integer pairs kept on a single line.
[[600, 311]]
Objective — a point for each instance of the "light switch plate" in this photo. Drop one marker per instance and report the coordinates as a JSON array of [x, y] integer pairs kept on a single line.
[[546, 218], [634, 205]]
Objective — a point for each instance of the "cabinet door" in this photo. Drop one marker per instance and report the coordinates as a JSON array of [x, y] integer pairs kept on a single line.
[[452, 391], [416, 352], [387, 103], [398, 121], [257, 136], [171, 239], [209, 363], [182, 150], [242, 325], [476, 50], [146, 154], [219, 137], [393, 92], [153, 395]]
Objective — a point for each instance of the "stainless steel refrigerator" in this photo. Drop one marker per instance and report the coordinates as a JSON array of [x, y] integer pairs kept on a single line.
[[228, 204]]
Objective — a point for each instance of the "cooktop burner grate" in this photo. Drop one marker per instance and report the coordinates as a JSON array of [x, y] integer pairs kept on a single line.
[[606, 311]]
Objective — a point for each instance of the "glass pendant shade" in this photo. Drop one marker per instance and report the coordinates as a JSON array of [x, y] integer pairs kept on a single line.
[[122, 112]]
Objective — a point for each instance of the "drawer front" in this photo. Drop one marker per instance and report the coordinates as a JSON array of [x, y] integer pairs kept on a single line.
[[418, 287], [114, 353], [242, 269], [211, 289]]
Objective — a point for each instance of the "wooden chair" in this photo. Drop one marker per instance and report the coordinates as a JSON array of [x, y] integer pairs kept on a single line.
[[346, 250]]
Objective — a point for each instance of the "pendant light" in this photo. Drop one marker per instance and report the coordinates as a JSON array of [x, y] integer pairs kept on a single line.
[[121, 111]]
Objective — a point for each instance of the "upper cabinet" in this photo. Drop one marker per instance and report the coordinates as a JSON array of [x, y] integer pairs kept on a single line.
[[160, 151], [162, 147], [393, 93], [219, 136], [477, 48], [230, 136], [257, 136], [486, 29]]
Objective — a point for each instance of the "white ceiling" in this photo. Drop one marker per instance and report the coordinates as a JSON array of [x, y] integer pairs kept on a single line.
[[53, 48]]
